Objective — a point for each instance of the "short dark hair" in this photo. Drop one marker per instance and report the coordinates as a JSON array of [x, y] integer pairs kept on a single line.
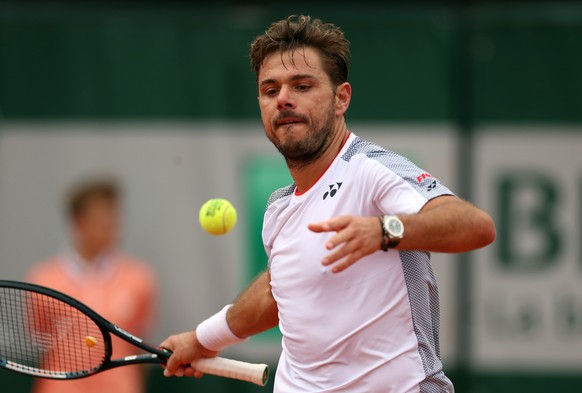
[[299, 32], [85, 191]]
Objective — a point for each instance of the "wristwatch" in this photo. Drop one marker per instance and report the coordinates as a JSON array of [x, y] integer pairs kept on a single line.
[[392, 231]]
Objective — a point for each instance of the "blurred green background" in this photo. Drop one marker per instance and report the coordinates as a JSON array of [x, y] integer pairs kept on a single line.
[[168, 60], [470, 65]]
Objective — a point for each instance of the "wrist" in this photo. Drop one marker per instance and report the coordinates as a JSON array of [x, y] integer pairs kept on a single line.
[[215, 334]]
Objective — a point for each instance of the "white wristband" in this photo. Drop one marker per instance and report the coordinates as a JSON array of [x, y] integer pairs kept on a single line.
[[215, 334]]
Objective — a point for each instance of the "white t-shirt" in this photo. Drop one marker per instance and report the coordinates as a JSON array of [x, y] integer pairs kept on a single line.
[[373, 327]]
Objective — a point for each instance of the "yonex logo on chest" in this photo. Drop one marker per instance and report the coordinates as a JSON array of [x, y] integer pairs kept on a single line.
[[333, 189]]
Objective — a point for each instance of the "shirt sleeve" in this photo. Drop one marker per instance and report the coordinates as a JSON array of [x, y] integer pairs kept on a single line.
[[398, 185]]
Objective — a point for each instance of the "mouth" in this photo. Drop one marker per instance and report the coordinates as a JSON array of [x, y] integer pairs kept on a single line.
[[288, 121]]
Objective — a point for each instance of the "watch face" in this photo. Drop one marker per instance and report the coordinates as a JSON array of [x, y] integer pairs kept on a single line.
[[395, 227]]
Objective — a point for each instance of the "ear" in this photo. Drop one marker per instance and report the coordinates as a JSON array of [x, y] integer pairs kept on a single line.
[[343, 95]]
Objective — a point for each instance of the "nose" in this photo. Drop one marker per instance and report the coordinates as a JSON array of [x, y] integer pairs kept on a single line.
[[285, 99]]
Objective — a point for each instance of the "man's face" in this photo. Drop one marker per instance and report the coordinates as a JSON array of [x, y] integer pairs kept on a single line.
[[298, 105], [97, 227]]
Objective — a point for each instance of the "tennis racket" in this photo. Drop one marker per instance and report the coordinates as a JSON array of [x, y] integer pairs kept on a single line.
[[47, 334]]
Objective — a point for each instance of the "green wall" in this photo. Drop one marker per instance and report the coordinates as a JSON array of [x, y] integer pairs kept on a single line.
[[191, 62]]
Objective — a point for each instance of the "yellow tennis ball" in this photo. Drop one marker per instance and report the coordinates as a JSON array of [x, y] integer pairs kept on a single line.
[[217, 216], [90, 341]]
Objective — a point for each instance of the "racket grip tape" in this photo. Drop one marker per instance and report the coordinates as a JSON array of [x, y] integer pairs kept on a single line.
[[229, 368]]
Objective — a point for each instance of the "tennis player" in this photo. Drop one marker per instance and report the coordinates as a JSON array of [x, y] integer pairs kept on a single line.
[[349, 280]]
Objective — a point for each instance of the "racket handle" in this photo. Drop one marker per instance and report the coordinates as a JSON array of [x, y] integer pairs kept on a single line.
[[250, 372]]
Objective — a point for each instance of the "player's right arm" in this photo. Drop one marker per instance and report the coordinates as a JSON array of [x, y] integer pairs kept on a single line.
[[253, 312]]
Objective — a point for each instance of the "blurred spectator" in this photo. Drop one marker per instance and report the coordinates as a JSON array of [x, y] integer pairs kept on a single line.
[[93, 270]]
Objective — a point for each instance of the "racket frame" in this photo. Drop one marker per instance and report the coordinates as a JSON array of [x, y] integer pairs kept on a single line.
[[255, 373], [156, 354]]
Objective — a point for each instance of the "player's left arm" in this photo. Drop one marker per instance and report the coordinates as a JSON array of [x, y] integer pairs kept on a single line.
[[444, 224]]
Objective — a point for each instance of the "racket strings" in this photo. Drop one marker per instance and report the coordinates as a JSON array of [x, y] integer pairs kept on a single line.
[[42, 334]]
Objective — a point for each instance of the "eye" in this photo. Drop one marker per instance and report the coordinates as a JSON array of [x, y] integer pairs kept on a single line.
[[303, 87], [271, 92]]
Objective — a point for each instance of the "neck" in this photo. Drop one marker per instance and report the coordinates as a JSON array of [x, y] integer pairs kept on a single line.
[[307, 175], [88, 254]]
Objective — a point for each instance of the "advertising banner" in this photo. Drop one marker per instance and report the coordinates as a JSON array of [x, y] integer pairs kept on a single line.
[[528, 285]]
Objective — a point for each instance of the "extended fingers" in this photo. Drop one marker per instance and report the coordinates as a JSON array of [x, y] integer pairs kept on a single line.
[[343, 236], [356, 233], [334, 224], [351, 246], [357, 239]]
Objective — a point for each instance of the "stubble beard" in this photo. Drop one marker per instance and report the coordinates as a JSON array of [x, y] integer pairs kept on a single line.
[[299, 153]]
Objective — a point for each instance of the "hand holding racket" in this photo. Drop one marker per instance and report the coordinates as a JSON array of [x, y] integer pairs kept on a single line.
[[185, 347], [47, 334]]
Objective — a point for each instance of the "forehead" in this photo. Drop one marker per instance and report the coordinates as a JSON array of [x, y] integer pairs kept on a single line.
[[279, 65], [98, 204]]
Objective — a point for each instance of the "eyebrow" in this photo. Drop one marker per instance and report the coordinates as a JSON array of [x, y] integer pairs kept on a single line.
[[293, 78]]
